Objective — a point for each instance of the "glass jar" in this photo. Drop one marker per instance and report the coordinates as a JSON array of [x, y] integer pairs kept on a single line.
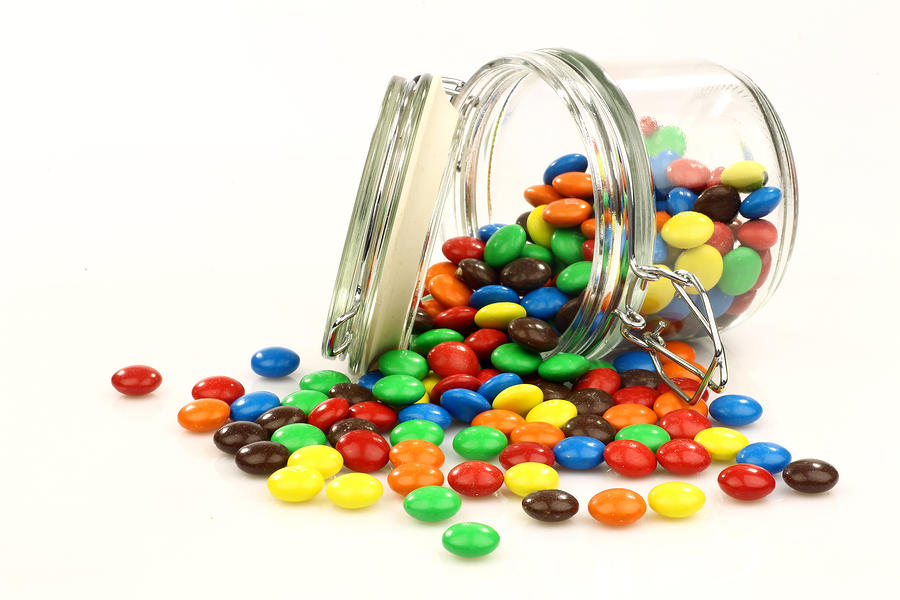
[[448, 157]]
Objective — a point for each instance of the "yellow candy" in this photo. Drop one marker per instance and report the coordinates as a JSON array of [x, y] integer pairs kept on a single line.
[[324, 459], [295, 484], [520, 399], [354, 490], [687, 229], [722, 443], [540, 230], [429, 381], [703, 261], [499, 315], [524, 478], [676, 499], [745, 176], [658, 296], [555, 412]]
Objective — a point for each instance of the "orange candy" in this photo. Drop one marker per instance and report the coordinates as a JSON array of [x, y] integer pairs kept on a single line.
[[416, 451], [433, 307], [539, 432], [450, 291], [617, 506], [503, 420], [567, 212], [205, 414], [670, 401], [412, 476], [589, 228], [441, 268], [623, 415], [673, 370], [538, 195], [575, 185], [679, 349]]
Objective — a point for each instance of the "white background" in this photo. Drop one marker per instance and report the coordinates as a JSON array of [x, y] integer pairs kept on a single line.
[[175, 184]]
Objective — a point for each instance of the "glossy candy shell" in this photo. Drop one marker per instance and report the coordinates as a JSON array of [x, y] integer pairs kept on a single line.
[[136, 380], [470, 540]]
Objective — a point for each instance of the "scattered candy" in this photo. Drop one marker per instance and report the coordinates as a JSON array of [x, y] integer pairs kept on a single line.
[[261, 458], [470, 540], [220, 387], [136, 380], [432, 504], [233, 436], [617, 506], [205, 414], [550, 506], [354, 490], [810, 476], [274, 361], [524, 478], [676, 499], [746, 482], [295, 483]]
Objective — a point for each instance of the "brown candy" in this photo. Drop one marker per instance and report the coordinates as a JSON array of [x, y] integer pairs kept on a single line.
[[533, 334], [423, 321], [810, 476], [550, 506], [719, 203], [635, 377], [353, 393], [231, 437], [525, 274], [553, 391], [566, 314], [262, 458], [477, 273], [591, 401], [278, 417], [345, 426], [591, 426], [522, 221]]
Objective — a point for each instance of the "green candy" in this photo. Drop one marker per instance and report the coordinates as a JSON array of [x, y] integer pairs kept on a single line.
[[599, 364], [299, 435], [398, 390], [479, 443], [538, 252], [566, 245], [564, 367], [322, 381], [651, 436], [432, 503], [470, 540], [574, 278], [740, 270], [428, 340], [512, 358], [667, 137], [403, 362], [417, 429], [305, 400], [505, 245]]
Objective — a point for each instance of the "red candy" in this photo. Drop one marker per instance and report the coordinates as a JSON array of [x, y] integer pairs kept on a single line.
[[636, 394], [328, 413], [722, 238], [758, 234], [380, 415], [688, 173], [457, 318], [587, 249], [683, 457], [466, 382], [684, 423], [136, 380], [746, 482], [364, 451], [649, 126], [458, 248], [741, 303], [629, 458], [689, 386], [475, 478], [604, 379], [453, 358], [523, 452], [766, 258], [484, 341], [219, 387], [485, 374]]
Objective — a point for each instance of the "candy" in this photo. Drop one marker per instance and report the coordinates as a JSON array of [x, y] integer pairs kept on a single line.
[[136, 380], [449, 291], [810, 476], [573, 279], [683, 457], [416, 451], [345, 426], [638, 394], [760, 203], [205, 414], [354, 490], [525, 478], [305, 400], [428, 412], [219, 387], [322, 381], [275, 418], [651, 436], [539, 195], [565, 164], [505, 421], [417, 429], [470, 540], [735, 410], [274, 361], [380, 415], [524, 275], [592, 401], [297, 435], [771, 457], [635, 359], [523, 452], [251, 406], [741, 269], [512, 358], [328, 413], [412, 476], [475, 478], [602, 379], [464, 405], [574, 185], [550, 506], [477, 274], [327, 461], [261, 458], [722, 443], [679, 200], [629, 458], [563, 366], [639, 378], [746, 482], [462, 247], [533, 334], [449, 358], [567, 212], [617, 507], [555, 412], [590, 426], [491, 294], [504, 245], [623, 415], [676, 499], [544, 303], [233, 436], [295, 484], [398, 390], [403, 362], [705, 262], [432, 504], [687, 230], [499, 315], [538, 431], [579, 452], [684, 423], [479, 443], [758, 234], [720, 203], [745, 176], [566, 245]]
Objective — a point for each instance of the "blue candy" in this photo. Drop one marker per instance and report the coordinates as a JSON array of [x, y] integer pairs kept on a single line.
[[771, 457], [490, 294], [677, 310], [486, 231], [464, 404], [425, 411], [681, 200], [250, 406], [496, 384], [633, 360], [660, 250], [369, 380], [565, 164], [761, 202], [275, 361], [543, 303], [579, 452], [720, 301], [735, 410], [658, 166]]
